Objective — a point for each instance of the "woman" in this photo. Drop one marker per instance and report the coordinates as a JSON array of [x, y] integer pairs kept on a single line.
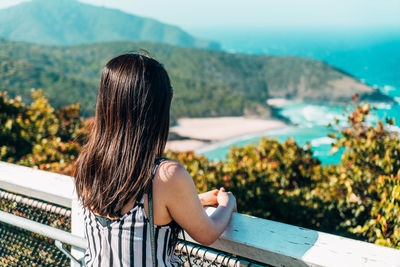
[[122, 160]]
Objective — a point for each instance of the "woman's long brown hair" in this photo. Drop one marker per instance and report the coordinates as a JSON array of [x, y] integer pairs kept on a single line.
[[129, 131]]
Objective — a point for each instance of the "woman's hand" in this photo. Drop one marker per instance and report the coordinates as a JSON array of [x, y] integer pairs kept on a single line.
[[209, 198], [226, 199]]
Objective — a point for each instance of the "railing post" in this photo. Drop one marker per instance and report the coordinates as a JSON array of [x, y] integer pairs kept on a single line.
[[77, 226]]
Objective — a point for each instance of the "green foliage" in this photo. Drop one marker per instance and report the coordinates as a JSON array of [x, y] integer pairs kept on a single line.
[[206, 83], [363, 185], [383, 225], [37, 135], [14, 139], [273, 177]]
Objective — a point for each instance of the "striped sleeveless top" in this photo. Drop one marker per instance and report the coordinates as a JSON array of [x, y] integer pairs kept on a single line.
[[126, 241]]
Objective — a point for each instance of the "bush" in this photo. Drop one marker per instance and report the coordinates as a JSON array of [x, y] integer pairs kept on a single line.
[[361, 185], [39, 136], [383, 225]]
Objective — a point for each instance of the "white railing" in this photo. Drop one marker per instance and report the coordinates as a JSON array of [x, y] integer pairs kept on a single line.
[[261, 240]]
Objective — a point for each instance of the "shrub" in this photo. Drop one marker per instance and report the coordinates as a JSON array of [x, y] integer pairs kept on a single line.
[[383, 225], [39, 136], [356, 186]]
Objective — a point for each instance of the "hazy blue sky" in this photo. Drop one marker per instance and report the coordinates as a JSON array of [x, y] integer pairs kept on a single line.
[[190, 14]]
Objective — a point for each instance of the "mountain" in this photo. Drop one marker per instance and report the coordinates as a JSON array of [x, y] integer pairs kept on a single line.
[[67, 22], [206, 83]]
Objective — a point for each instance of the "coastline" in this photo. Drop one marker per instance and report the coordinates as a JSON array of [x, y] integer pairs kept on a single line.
[[205, 133]]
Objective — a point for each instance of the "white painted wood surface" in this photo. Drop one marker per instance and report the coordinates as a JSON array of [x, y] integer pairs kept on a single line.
[[254, 238], [48, 186], [280, 244]]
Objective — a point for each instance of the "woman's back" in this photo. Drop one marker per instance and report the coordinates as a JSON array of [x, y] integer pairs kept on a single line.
[[126, 241], [115, 243]]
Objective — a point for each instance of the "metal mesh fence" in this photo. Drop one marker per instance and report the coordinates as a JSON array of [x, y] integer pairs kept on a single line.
[[19, 247], [24, 248], [203, 256]]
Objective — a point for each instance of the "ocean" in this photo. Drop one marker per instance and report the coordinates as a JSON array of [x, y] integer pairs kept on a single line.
[[373, 56]]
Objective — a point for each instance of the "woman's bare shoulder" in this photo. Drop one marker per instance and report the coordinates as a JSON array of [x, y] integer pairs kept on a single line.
[[170, 171]]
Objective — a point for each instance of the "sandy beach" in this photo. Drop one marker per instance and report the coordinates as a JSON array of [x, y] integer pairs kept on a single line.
[[199, 132]]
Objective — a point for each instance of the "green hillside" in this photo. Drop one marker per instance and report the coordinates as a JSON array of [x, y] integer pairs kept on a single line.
[[67, 22], [206, 83]]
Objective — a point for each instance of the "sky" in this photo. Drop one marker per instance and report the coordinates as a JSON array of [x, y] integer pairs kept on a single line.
[[260, 14]]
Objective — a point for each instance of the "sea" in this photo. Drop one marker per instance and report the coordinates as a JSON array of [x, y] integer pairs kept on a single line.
[[371, 55]]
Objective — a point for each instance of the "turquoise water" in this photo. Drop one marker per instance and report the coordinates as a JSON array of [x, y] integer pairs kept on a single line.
[[317, 137], [372, 56], [312, 121], [311, 126]]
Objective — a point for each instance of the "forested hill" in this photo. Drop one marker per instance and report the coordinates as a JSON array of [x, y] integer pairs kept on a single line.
[[67, 22], [206, 83]]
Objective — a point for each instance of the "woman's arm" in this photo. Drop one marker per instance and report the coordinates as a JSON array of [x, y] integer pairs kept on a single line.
[[185, 208], [209, 198]]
